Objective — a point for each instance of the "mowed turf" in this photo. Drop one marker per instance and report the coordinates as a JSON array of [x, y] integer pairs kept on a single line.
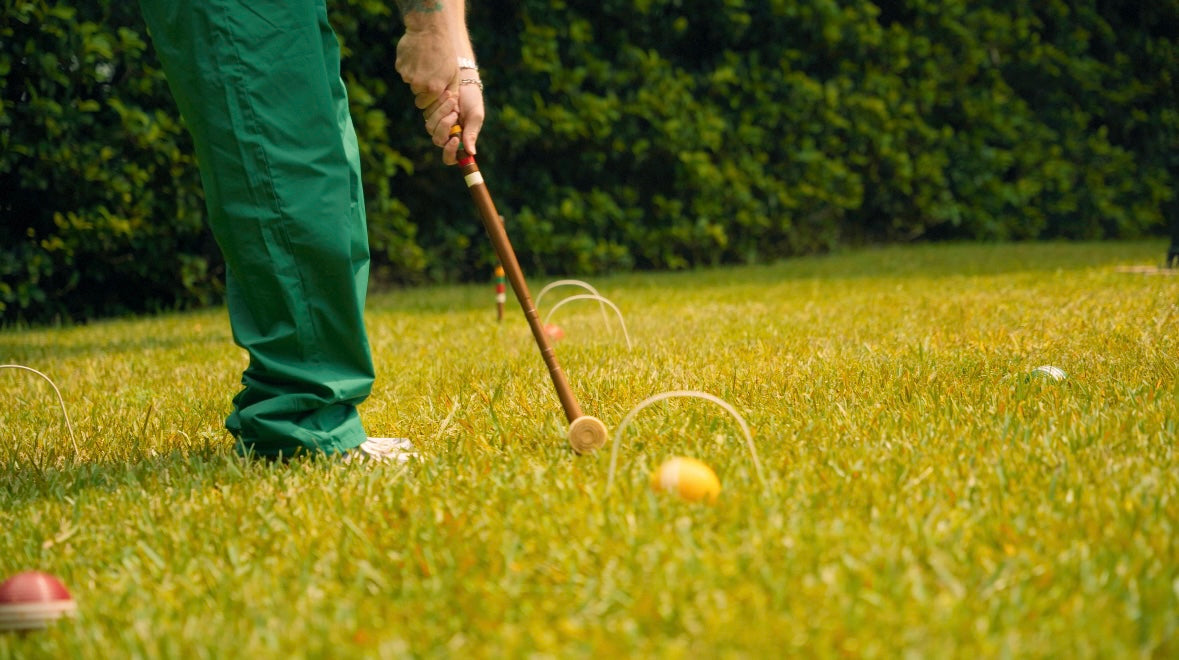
[[923, 494]]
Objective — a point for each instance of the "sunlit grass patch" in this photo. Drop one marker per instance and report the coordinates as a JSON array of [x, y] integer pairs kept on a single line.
[[924, 493]]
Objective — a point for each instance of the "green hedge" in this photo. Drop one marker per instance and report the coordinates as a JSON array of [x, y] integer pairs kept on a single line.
[[621, 135], [101, 203]]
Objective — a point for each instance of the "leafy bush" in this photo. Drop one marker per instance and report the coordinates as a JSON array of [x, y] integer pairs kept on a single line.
[[736, 131], [101, 200], [621, 135]]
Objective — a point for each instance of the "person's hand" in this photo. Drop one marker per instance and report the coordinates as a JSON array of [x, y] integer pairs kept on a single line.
[[427, 63], [466, 110], [440, 117], [470, 116]]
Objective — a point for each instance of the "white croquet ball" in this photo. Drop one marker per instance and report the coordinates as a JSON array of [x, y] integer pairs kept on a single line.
[[1048, 371]]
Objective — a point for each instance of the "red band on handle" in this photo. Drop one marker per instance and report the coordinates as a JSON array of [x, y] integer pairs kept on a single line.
[[466, 160]]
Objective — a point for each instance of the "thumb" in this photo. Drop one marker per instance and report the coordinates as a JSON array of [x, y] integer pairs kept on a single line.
[[470, 136]]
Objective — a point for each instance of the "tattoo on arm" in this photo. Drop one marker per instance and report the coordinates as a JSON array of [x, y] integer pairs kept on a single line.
[[419, 6]]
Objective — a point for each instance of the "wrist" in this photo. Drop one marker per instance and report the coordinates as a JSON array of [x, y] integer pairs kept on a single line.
[[424, 21]]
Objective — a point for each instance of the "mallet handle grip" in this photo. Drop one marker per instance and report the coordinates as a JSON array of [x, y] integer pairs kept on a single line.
[[507, 257]]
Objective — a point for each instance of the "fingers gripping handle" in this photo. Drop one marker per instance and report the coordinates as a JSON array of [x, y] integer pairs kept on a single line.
[[465, 159]]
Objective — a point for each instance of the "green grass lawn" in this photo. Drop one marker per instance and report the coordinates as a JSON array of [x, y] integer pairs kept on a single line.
[[923, 494]]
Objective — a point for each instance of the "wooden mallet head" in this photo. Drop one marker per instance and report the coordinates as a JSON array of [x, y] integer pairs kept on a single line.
[[587, 434]]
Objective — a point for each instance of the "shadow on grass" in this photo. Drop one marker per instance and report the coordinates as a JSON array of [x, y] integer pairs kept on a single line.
[[29, 481], [15, 347]]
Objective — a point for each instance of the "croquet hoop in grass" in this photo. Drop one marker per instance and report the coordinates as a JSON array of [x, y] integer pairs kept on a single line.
[[601, 300], [60, 401], [581, 283], [675, 394]]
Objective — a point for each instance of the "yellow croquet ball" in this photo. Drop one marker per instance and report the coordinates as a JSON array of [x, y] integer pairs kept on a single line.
[[687, 477]]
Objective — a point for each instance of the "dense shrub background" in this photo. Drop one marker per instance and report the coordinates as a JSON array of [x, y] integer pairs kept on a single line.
[[622, 134]]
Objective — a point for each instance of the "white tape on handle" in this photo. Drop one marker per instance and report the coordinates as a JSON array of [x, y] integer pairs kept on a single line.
[[473, 179]]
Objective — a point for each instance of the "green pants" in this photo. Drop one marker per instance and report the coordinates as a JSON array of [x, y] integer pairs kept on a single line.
[[258, 85]]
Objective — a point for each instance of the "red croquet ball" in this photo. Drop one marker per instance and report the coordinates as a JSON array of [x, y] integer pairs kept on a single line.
[[554, 332], [32, 599]]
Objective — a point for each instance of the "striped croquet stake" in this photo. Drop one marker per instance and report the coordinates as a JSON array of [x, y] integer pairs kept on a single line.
[[501, 295]]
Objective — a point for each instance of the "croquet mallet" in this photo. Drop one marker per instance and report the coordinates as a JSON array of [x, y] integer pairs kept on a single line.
[[586, 433]]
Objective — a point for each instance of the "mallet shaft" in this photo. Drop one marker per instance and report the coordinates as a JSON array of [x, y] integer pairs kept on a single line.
[[507, 257]]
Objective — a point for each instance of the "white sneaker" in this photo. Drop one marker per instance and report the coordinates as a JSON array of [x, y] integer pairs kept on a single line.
[[383, 450]]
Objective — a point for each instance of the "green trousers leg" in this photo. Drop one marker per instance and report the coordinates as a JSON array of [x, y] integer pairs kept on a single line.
[[258, 85]]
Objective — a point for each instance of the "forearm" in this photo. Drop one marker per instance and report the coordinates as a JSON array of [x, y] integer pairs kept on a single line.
[[456, 17], [423, 14]]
